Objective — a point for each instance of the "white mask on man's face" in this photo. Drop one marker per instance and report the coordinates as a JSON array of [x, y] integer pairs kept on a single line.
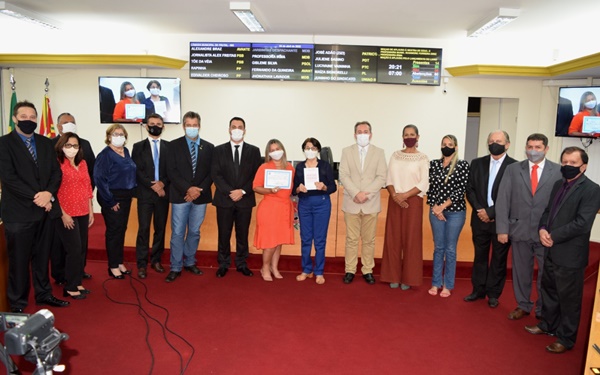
[[69, 127], [237, 135], [363, 139]]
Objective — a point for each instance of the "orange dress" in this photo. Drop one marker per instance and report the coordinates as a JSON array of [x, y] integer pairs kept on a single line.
[[274, 215]]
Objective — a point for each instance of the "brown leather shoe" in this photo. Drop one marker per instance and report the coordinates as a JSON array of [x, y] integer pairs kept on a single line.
[[556, 347], [142, 273], [517, 314], [535, 330], [158, 267]]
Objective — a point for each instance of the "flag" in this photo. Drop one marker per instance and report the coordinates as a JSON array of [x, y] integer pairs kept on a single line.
[[13, 103], [47, 125]]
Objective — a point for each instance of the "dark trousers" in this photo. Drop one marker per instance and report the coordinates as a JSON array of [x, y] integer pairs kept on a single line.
[[116, 226], [562, 293], [157, 208], [72, 241], [28, 244], [489, 271], [58, 257], [227, 217]]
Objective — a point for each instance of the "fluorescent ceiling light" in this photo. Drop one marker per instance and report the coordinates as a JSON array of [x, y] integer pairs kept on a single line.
[[244, 13], [497, 20], [25, 15]]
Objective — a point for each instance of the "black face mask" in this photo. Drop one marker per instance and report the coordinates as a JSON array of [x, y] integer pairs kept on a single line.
[[155, 130], [496, 149], [27, 126], [447, 151], [569, 171]]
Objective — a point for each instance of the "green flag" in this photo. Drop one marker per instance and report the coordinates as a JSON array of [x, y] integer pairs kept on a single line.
[[13, 103]]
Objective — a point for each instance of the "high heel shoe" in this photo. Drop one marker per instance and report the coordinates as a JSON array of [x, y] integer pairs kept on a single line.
[[74, 296], [84, 291], [118, 277], [266, 277], [276, 274], [126, 272], [303, 276]]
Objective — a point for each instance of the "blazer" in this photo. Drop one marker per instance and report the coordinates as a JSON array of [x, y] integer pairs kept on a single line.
[[22, 179], [571, 226], [370, 179], [518, 212], [225, 179], [88, 156], [142, 157], [180, 173], [477, 188]]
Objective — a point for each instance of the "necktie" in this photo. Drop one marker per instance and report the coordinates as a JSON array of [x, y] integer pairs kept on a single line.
[[194, 157], [493, 174], [236, 158], [362, 157], [534, 178], [156, 176], [29, 144]]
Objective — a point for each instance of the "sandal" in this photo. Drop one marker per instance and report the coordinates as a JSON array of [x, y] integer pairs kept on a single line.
[[445, 293], [266, 277], [303, 276], [276, 274], [433, 290], [320, 280]]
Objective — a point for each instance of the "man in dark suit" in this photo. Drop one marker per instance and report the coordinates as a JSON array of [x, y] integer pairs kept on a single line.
[[565, 229], [30, 177], [66, 124], [150, 157], [522, 198], [188, 168], [488, 275], [234, 165]]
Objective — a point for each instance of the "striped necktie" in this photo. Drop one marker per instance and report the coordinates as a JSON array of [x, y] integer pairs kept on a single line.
[[194, 157], [29, 144]]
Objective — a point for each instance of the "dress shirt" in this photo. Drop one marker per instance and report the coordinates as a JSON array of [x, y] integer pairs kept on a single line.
[[539, 170], [151, 140], [233, 144], [24, 138]]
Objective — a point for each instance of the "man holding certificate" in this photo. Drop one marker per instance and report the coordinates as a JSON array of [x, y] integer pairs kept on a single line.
[[274, 215], [313, 184], [363, 172]]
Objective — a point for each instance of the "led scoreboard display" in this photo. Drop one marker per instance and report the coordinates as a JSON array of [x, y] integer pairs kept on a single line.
[[345, 63], [409, 66], [220, 60], [283, 62]]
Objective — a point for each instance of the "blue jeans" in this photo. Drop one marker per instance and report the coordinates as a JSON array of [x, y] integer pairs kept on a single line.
[[314, 212], [185, 217], [445, 238]]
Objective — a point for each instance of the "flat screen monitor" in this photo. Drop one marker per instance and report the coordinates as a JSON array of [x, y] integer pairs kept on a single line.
[[577, 112], [133, 99]]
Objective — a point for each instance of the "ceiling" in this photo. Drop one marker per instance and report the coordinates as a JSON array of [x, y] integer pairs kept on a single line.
[[541, 22]]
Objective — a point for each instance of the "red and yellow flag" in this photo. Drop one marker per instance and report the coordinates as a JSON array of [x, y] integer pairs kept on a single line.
[[47, 124]]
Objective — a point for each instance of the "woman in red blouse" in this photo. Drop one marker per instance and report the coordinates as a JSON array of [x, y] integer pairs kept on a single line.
[[75, 199]]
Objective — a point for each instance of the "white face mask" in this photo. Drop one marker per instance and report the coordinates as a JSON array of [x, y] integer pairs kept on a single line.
[[276, 155], [363, 139], [591, 104], [237, 135], [69, 127], [70, 152], [130, 93], [117, 141], [155, 91], [310, 154]]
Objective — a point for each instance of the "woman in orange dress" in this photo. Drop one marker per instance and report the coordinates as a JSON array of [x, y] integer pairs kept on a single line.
[[587, 107], [274, 215]]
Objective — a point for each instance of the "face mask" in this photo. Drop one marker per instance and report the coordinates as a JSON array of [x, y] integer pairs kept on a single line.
[[130, 93], [27, 126], [410, 142], [496, 149], [155, 130], [310, 154], [276, 155], [569, 171], [69, 127], [237, 135], [117, 141], [590, 105], [447, 151], [155, 92], [535, 156], [192, 132], [363, 139], [70, 152]]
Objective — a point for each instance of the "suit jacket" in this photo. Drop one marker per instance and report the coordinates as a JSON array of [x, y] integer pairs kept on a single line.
[[518, 212], [225, 179], [142, 157], [22, 179], [571, 225], [370, 179], [477, 188], [88, 156], [180, 173]]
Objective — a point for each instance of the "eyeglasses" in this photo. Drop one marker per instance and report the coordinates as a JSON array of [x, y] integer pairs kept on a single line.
[[311, 149], [68, 145]]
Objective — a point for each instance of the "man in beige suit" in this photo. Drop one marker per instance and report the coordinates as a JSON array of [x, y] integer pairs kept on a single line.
[[363, 172]]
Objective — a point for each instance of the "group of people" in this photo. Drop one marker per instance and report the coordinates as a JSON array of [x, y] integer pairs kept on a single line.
[[543, 209]]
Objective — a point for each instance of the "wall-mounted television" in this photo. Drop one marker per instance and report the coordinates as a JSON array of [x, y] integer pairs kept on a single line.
[[577, 114], [133, 99]]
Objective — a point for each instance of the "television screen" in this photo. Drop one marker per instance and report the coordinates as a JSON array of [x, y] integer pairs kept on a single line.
[[129, 99], [577, 112]]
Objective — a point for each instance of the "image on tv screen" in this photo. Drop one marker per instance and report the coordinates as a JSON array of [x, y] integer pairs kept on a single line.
[[577, 112]]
